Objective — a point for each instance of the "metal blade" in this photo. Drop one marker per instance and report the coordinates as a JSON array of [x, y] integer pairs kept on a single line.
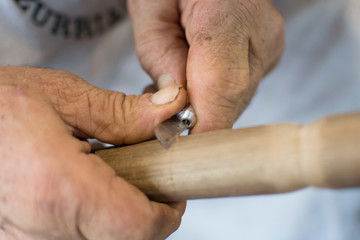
[[167, 131]]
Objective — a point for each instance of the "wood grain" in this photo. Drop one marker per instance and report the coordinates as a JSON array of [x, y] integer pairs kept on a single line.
[[259, 160]]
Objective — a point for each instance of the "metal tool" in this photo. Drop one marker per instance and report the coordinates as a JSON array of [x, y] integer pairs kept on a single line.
[[167, 131]]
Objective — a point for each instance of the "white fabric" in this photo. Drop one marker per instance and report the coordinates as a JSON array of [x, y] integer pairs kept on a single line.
[[319, 75]]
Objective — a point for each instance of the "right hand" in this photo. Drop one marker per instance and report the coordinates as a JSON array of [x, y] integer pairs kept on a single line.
[[219, 49], [51, 186]]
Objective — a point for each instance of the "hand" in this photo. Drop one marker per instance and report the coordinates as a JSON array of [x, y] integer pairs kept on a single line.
[[51, 186], [220, 49]]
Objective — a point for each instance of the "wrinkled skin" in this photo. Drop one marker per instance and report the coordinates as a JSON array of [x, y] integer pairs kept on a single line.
[[219, 49], [51, 186]]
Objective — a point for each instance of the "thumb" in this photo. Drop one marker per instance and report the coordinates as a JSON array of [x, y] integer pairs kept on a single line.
[[118, 119], [109, 116], [160, 40]]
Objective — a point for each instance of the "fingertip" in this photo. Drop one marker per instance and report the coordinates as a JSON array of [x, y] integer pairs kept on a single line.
[[165, 80], [167, 110], [180, 207], [143, 113], [169, 216], [173, 98], [166, 95]]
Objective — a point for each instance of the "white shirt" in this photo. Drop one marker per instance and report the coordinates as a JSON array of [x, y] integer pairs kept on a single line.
[[319, 75]]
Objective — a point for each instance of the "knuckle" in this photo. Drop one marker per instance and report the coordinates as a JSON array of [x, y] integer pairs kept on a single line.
[[279, 22], [277, 26], [61, 79], [225, 104], [51, 209], [230, 96], [112, 107], [58, 205], [218, 24], [203, 17], [49, 193], [167, 39], [279, 30], [63, 89]]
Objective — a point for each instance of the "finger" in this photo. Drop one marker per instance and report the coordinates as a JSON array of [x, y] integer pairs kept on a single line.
[[162, 219], [218, 90], [119, 119], [179, 206], [160, 41], [164, 81], [113, 208], [218, 70], [169, 217], [109, 116]]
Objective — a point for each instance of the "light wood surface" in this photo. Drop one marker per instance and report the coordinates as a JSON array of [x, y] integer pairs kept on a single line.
[[259, 160]]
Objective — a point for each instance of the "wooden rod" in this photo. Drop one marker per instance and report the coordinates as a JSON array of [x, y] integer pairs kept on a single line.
[[259, 160]]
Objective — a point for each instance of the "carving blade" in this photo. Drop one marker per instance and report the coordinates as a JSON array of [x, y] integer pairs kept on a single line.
[[167, 131]]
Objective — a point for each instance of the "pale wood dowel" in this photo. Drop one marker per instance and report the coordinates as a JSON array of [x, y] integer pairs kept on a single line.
[[260, 160]]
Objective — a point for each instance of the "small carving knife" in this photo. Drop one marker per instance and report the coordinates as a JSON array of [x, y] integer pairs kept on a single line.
[[167, 131]]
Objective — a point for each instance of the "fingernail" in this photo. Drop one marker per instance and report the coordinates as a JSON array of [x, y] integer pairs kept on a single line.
[[165, 95], [165, 80]]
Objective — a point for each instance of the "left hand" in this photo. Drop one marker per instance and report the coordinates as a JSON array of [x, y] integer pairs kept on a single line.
[[51, 186], [219, 49]]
